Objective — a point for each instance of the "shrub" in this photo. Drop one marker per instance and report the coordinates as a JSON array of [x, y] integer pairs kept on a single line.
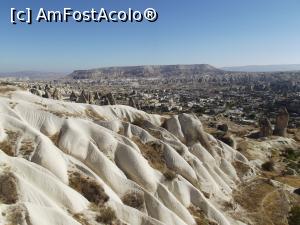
[[268, 166], [223, 127], [8, 188], [134, 199], [107, 215], [291, 154], [227, 140], [170, 175], [294, 216]]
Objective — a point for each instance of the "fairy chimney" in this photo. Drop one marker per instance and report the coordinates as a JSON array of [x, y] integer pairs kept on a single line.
[[73, 97], [265, 127], [90, 98], [105, 100], [82, 98], [56, 94], [282, 121], [111, 99], [132, 102], [47, 94], [97, 96]]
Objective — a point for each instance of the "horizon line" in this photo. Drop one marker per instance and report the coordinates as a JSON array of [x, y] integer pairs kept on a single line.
[[141, 65]]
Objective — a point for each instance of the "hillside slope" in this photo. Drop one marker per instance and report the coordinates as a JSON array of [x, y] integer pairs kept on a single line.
[[71, 164]]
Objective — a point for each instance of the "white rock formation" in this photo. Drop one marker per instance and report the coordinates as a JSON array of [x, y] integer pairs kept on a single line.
[[103, 143]]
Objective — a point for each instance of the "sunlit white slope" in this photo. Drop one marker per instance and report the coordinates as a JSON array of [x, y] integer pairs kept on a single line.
[[169, 163]]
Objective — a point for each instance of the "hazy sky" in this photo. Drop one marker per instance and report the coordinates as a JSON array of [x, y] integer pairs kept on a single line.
[[218, 32]]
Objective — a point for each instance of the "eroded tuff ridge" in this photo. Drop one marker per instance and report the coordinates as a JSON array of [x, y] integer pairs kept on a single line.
[[68, 163]]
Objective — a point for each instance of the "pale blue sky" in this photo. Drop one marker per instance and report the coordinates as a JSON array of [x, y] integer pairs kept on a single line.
[[217, 32]]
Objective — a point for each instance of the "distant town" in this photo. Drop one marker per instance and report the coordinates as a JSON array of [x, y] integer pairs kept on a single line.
[[243, 97]]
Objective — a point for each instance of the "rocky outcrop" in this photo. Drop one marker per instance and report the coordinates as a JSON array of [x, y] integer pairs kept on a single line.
[[111, 99], [127, 160], [266, 129], [35, 91], [56, 94], [87, 98], [82, 98], [73, 97], [132, 103], [47, 94], [97, 96], [90, 98], [282, 120]]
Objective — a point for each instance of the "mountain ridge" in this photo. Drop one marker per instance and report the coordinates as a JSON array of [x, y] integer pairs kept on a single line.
[[264, 68], [145, 71], [32, 74]]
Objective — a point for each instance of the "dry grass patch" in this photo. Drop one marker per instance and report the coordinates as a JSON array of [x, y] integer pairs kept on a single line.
[[92, 114], [8, 188], [88, 187], [41, 104], [199, 216], [17, 214], [275, 205], [121, 131], [9, 145], [55, 138], [107, 215], [81, 218], [153, 152], [6, 147], [157, 132], [6, 89], [252, 193], [241, 168], [154, 133], [27, 148], [12, 148], [149, 127], [139, 121], [294, 216], [63, 114], [293, 181], [104, 215], [264, 203]]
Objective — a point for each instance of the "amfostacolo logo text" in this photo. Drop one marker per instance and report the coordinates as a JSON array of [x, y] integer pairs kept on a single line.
[[28, 16]]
